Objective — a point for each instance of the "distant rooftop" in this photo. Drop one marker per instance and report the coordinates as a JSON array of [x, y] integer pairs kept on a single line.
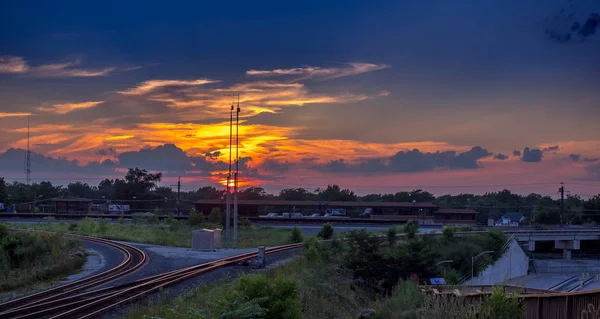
[[71, 199], [275, 202]]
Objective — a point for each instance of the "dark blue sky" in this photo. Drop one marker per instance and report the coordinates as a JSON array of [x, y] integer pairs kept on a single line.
[[461, 73]]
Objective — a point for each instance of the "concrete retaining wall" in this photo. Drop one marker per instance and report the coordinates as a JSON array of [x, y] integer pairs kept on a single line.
[[513, 263]]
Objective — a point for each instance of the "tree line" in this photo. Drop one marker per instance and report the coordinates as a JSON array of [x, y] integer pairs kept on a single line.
[[141, 187]]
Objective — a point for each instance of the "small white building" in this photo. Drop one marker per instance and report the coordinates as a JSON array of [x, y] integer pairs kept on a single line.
[[510, 219]]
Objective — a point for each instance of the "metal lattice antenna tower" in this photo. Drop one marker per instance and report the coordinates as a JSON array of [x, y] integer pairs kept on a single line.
[[28, 160]]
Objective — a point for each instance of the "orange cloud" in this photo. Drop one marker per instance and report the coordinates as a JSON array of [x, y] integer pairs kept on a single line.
[[147, 87], [65, 108], [21, 114], [18, 65]]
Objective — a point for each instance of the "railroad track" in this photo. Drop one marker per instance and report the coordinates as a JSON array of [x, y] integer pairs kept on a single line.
[[94, 303], [134, 259]]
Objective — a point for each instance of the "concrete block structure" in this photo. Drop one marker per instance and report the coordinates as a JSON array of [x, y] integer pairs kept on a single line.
[[206, 239], [514, 263]]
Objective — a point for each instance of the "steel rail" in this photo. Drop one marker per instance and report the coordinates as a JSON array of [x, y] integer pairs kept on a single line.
[[92, 304], [134, 259]]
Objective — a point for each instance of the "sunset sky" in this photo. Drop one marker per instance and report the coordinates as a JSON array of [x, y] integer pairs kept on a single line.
[[376, 96]]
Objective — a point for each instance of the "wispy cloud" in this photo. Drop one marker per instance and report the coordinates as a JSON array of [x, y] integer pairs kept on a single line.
[[18, 65], [12, 64], [256, 97], [308, 72], [150, 86], [65, 108], [3, 115]]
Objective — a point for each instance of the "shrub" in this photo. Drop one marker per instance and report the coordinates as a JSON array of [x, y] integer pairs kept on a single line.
[[153, 219], [138, 219], [279, 297], [88, 226], [103, 226], [452, 276], [121, 220], [326, 231], [406, 296], [448, 232], [411, 229], [392, 233], [195, 218], [501, 306], [244, 221], [464, 228], [50, 219], [296, 235], [215, 216], [3, 232], [29, 257], [312, 254], [72, 227]]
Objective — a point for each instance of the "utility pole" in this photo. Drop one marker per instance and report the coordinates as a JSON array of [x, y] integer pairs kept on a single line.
[[561, 190], [534, 213], [228, 204], [28, 159], [235, 178], [178, 194]]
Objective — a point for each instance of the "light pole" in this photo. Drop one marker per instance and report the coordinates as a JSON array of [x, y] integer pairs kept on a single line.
[[473, 262], [444, 262]]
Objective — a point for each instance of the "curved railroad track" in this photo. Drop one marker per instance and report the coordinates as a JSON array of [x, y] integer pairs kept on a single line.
[[134, 259], [94, 303]]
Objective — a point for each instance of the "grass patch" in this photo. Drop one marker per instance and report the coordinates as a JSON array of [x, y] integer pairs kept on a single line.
[[27, 259], [167, 233], [364, 277]]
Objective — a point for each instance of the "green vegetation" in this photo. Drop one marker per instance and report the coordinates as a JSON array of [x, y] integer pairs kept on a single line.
[[169, 233], [140, 186], [326, 231], [28, 258], [360, 277], [296, 235]]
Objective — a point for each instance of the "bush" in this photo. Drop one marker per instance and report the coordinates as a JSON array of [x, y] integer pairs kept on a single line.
[[153, 219], [137, 219], [121, 220], [3, 232], [392, 233], [244, 221], [411, 229], [215, 216], [464, 228], [501, 306], [448, 232], [51, 219], [103, 226], [326, 231], [296, 235], [406, 296], [29, 257], [88, 226], [278, 297], [312, 254], [195, 218], [72, 227]]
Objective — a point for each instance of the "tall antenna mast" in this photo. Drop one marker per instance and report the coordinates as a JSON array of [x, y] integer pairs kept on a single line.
[[235, 178], [228, 195], [28, 160]]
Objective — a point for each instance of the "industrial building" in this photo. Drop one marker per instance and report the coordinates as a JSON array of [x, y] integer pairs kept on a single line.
[[425, 213]]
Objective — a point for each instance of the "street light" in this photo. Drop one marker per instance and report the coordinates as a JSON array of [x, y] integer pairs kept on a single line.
[[475, 258], [444, 262]]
